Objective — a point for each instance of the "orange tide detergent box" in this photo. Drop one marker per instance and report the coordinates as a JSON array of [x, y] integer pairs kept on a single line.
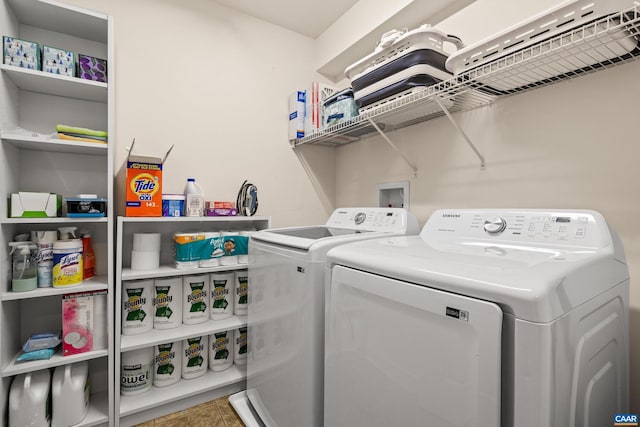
[[144, 184]]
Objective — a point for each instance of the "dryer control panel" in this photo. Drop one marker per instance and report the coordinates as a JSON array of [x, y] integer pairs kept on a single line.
[[575, 228]]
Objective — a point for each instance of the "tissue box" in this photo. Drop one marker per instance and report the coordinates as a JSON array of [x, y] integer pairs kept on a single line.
[[91, 68], [35, 205], [58, 61], [21, 53]]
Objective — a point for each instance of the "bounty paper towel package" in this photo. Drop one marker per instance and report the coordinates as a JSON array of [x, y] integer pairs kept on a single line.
[[168, 364], [194, 357], [167, 303], [137, 308]]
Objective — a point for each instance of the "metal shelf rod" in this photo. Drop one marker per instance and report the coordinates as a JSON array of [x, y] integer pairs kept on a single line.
[[462, 132], [383, 135]]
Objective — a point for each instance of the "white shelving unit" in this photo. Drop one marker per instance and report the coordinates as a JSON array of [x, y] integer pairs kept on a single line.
[[574, 53], [31, 159], [131, 410]]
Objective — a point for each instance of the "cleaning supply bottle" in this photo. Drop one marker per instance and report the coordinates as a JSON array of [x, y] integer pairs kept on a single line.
[[67, 233], [88, 258], [44, 256], [193, 199], [24, 276]]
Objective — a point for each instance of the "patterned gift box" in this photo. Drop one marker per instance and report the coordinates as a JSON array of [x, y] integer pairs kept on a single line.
[[58, 61], [91, 68], [21, 53]]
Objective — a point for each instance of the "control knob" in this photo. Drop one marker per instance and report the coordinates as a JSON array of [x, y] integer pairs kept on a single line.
[[495, 225], [360, 217]]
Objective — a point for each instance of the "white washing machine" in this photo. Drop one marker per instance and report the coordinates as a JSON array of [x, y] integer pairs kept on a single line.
[[286, 313], [488, 318]]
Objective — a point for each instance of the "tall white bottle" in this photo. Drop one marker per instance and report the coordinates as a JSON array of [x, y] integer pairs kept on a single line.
[[29, 400], [70, 394], [193, 199]]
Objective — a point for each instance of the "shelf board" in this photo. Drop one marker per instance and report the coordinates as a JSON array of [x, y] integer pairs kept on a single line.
[[158, 396], [167, 271], [98, 283], [15, 368], [62, 18], [58, 220], [602, 43], [186, 219], [159, 336], [98, 410], [52, 84], [40, 143]]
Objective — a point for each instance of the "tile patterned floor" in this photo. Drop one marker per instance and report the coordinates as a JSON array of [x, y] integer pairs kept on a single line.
[[216, 413]]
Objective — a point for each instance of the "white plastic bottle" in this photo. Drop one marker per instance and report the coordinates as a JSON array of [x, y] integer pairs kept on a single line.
[[193, 199], [70, 394], [29, 400]]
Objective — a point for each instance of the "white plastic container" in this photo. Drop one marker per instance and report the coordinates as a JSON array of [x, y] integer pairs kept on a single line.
[[241, 292], [195, 299], [194, 199], [29, 398], [70, 394], [167, 303], [222, 291], [221, 351], [137, 307], [240, 346], [167, 364], [67, 263], [136, 371], [194, 357]]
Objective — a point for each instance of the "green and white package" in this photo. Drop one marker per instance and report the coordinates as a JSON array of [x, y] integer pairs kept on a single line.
[[168, 364], [222, 290], [195, 302], [240, 346], [137, 310], [221, 351], [241, 292], [167, 303], [194, 357]]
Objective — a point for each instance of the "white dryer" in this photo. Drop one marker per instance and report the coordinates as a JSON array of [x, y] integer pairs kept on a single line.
[[488, 318], [286, 313]]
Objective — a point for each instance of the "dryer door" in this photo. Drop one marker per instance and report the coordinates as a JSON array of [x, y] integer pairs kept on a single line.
[[408, 355]]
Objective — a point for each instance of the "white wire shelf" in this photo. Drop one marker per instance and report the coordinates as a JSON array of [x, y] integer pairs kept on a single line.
[[605, 42]]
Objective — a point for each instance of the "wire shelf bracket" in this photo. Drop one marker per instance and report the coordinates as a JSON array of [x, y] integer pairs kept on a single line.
[[392, 145]]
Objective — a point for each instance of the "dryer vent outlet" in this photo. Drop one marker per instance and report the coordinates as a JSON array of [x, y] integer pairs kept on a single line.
[[393, 195]]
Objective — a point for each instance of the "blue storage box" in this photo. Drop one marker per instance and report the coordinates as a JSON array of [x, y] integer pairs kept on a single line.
[[21, 53], [339, 108]]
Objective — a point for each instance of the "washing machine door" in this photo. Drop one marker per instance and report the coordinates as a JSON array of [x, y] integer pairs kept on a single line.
[[408, 355]]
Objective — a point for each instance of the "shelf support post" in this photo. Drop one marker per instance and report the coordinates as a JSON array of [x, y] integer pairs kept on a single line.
[[382, 134], [464, 135]]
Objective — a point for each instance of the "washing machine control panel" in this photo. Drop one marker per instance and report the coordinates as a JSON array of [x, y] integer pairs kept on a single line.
[[369, 219], [581, 228]]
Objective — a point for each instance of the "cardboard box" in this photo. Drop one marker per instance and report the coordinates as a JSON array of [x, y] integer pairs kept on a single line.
[[91, 68], [296, 114], [84, 322], [35, 205], [21, 53], [58, 61], [220, 209], [144, 184]]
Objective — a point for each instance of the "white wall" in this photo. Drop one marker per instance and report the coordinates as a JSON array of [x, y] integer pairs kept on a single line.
[[214, 82]]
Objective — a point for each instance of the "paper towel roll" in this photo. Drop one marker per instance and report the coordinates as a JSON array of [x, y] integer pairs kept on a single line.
[[228, 246], [222, 295], [240, 346], [145, 260], [194, 357], [146, 242], [136, 371], [221, 351], [167, 303], [100, 323], [167, 363], [241, 292], [195, 299], [137, 307]]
